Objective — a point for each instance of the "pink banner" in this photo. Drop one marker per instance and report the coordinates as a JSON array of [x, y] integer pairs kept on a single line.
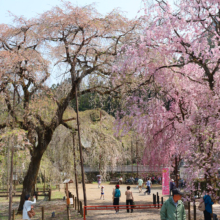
[[166, 181]]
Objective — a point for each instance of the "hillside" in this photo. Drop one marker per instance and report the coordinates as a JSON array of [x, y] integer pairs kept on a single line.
[[100, 147]]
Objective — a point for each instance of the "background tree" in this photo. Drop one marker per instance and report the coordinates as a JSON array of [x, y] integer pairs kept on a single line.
[[177, 59], [77, 39]]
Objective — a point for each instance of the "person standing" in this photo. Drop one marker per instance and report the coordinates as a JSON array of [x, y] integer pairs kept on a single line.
[[120, 180], [140, 184], [172, 186], [173, 208], [159, 180], [208, 207], [116, 195], [149, 186], [102, 192], [27, 206], [129, 198], [99, 182]]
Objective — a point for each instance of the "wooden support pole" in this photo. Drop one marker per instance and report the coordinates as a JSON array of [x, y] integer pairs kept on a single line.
[[68, 212], [78, 204], [44, 180], [36, 194], [13, 214], [189, 217], [49, 194], [74, 161], [194, 210], [80, 148], [42, 212], [162, 200], [75, 202], [132, 171], [81, 210]]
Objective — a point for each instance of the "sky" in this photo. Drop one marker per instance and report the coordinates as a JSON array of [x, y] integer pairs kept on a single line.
[[30, 8]]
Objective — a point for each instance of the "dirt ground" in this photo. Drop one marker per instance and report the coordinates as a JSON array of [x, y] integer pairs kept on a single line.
[[93, 198]]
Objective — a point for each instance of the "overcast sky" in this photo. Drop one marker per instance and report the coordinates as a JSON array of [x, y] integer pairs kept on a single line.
[[30, 8]]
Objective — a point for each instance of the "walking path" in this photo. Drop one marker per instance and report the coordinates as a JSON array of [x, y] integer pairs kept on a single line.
[[93, 198]]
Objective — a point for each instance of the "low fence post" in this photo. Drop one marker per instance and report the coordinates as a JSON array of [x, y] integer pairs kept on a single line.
[[68, 212], [49, 194], [13, 214], [189, 211], [36, 195], [81, 210], [154, 200], [194, 209], [158, 201], [78, 204], [42, 211], [84, 213]]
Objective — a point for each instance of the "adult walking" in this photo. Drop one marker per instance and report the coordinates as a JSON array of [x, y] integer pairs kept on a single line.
[[140, 184], [208, 207], [149, 183], [116, 195], [173, 208], [27, 206], [172, 186], [129, 198], [99, 181]]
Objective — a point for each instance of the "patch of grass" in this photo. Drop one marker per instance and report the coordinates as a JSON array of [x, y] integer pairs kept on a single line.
[[57, 195]]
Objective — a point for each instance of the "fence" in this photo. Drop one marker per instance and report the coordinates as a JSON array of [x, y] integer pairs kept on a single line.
[[44, 193], [77, 205]]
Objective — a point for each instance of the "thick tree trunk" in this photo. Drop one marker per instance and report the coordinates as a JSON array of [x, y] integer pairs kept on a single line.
[[31, 177]]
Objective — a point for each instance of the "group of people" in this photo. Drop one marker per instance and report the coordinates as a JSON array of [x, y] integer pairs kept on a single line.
[[173, 208], [129, 198], [147, 184]]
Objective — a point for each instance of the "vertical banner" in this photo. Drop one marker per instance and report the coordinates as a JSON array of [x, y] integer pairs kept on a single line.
[[166, 182]]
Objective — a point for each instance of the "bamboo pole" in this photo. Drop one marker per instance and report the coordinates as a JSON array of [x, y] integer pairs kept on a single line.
[[80, 149]]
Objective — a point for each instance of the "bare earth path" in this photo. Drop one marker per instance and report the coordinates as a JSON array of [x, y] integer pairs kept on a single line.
[[93, 197]]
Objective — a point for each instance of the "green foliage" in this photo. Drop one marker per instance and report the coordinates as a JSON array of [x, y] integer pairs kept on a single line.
[[91, 101]]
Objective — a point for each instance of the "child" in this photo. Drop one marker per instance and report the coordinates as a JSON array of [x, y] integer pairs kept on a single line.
[[102, 192]]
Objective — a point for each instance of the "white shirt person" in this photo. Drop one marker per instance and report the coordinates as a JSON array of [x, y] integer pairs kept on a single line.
[[27, 206]]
